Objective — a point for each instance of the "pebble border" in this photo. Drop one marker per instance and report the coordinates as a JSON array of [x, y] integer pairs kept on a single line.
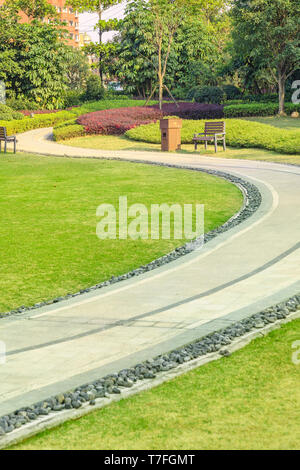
[[111, 384], [252, 201]]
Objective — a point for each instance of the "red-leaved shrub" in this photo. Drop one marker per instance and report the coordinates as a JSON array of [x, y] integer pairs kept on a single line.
[[118, 121]]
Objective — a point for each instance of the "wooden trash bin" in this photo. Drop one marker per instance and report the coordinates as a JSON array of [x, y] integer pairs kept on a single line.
[[170, 134]]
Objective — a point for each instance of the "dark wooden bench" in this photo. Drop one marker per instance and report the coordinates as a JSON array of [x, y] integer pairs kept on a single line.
[[5, 138], [213, 132]]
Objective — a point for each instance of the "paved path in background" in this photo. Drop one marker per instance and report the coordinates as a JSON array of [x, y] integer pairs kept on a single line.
[[235, 275]]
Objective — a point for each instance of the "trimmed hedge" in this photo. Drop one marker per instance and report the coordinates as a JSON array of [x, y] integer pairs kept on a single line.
[[41, 120], [67, 132], [239, 133], [257, 109]]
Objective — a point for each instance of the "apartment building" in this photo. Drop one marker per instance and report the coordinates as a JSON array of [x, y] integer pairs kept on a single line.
[[66, 14]]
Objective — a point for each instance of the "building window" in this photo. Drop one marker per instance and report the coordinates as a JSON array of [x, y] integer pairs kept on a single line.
[[71, 23]]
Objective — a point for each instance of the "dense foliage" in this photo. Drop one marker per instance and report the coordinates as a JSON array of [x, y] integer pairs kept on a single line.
[[266, 36]]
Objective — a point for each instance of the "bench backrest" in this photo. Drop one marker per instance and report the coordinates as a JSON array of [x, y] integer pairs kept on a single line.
[[215, 127], [3, 132]]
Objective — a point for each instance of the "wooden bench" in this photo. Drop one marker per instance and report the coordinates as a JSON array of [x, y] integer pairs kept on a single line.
[[213, 132], [5, 138]]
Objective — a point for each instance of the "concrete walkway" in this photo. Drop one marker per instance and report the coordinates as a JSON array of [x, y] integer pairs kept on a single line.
[[235, 275]]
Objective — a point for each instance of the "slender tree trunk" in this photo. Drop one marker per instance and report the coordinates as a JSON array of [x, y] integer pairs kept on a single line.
[[160, 76], [281, 86], [100, 42]]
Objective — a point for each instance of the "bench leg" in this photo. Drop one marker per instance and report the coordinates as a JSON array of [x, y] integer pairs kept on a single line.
[[216, 145], [15, 145], [195, 146], [205, 145], [5, 146], [224, 144]]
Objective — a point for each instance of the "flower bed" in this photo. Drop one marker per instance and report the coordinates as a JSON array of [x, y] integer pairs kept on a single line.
[[118, 121]]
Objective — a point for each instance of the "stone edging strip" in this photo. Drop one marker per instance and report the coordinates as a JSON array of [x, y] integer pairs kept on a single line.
[[252, 201], [49, 413]]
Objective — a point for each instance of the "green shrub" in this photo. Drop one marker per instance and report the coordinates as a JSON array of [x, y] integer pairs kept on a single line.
[[267, 98], [180, 93], [232, 92], [94, 88], [209, 94], [39, 120], [68, 131], [8, 114], [4, 109], [22, 104], [239, 133], [257, 109], [73, 98], [6, 117]]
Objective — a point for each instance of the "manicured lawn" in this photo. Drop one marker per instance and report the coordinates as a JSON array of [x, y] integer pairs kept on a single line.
[[110, 142], [250, 400], [48, 207]]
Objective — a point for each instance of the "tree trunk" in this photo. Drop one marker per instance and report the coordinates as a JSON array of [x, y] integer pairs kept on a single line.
[[160, 93], [281, 85], [100, 42]]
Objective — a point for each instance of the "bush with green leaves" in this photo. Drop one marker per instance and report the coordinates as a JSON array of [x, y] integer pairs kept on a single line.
[[94, 88], [232, 92], [207, 94], [257, 109], [73, 98], [68, 131], [8, 114], [21, 103], [239, 133]]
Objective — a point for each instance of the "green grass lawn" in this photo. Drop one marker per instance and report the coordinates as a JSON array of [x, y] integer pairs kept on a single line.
[[250, 400], [48, 207], [110, 142]]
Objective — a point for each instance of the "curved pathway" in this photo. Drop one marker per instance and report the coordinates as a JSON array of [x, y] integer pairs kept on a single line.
[[244, 270]]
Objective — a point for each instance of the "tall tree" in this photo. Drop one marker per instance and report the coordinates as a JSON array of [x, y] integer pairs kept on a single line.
[[166, 17], [267, 34], [101, 49], [34, 9], [34, 59]]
